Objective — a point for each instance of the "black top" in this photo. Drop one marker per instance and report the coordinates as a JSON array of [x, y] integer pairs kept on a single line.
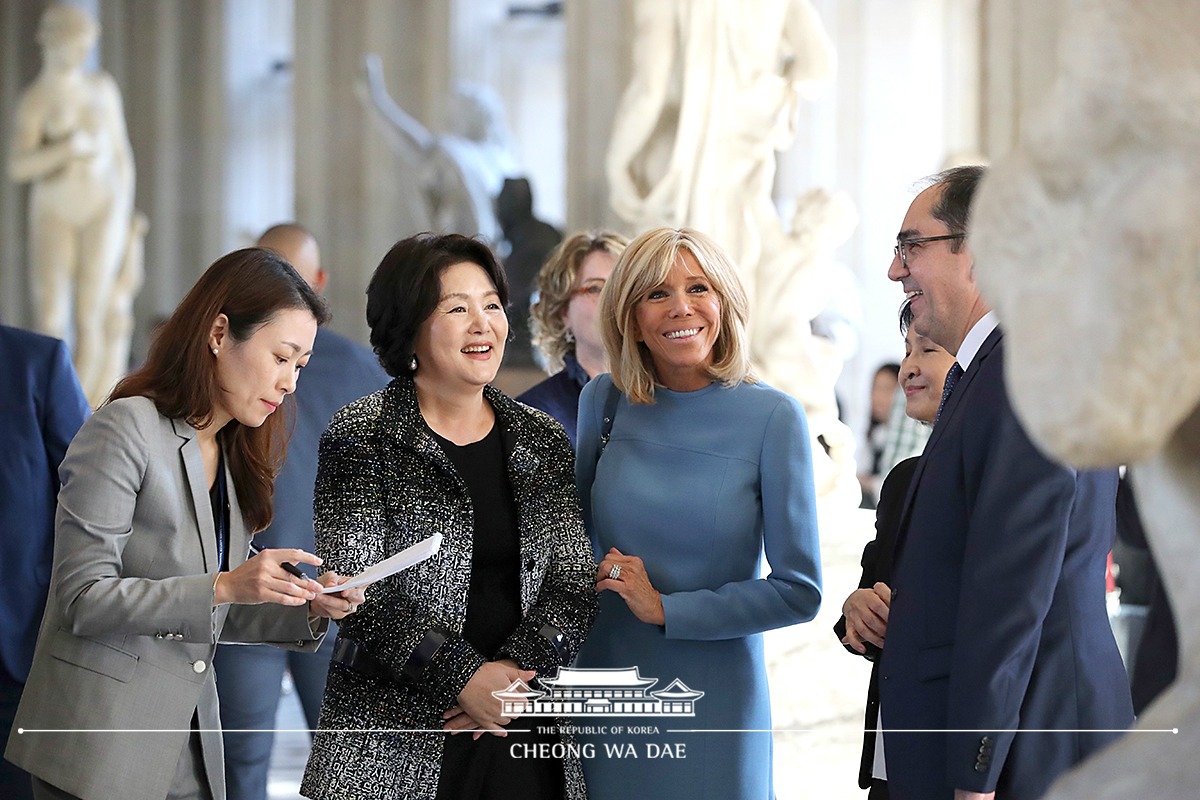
[[478, 769], [494, 599], [217, 496]]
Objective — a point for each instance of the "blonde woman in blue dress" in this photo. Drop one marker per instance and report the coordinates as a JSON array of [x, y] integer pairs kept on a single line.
[[704, 470]]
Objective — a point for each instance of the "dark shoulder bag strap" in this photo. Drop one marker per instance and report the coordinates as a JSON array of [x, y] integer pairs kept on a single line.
[[610, 411]]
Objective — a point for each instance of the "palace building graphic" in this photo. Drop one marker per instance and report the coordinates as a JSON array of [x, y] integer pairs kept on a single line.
[[600, 693]]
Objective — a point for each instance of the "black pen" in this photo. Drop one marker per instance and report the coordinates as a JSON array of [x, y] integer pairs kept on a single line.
[[288, 567]]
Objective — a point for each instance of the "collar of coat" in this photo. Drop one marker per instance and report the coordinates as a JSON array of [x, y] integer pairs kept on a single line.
[[402, 414]]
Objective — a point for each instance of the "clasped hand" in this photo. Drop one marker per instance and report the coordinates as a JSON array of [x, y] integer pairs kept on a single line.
[[866, 612], [262, 579], [478, 709], [633, 585]]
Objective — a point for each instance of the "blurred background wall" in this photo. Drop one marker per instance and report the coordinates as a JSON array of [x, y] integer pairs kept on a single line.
[[244, 112]]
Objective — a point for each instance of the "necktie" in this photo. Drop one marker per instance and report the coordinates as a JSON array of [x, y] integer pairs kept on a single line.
[[951, 379]]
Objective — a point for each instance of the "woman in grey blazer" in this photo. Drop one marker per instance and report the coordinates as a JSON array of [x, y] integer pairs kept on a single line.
[[509, 595], [161, 491]]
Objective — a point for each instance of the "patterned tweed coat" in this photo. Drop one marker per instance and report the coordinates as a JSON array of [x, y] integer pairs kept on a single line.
[[383, 484]]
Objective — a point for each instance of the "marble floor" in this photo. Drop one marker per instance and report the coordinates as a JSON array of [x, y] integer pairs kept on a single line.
[[817, 691]]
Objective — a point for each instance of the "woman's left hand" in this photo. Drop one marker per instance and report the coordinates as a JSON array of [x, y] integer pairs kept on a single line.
[[458, 721], [632, 584], [337, 605]]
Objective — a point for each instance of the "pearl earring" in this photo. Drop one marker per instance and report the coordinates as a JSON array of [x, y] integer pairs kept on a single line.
[[214, 351], [412, 365]]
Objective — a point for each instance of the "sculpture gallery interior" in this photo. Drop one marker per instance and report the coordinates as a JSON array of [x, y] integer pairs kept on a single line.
[[144, 139]]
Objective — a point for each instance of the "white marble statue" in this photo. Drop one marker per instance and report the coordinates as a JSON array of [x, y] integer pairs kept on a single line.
[[795, 283], [1087, 243], [463, 171], [714, 94], [85, 242]]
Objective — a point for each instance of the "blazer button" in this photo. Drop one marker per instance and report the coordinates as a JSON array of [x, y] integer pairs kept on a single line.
[[980, 766], [199, 666]]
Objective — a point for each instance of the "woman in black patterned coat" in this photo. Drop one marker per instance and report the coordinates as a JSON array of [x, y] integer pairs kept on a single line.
[[510, 593]]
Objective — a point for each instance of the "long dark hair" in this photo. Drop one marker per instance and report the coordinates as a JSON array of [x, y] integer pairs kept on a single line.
[[180, 375]]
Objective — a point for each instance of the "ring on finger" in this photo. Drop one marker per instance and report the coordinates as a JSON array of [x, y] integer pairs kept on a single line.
[[614, 574]]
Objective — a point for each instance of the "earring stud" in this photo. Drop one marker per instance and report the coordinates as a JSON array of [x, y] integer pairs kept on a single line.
[[412, 365], [214, 351]]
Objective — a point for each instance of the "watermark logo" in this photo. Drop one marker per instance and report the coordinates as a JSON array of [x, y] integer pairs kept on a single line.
[[599, 693]]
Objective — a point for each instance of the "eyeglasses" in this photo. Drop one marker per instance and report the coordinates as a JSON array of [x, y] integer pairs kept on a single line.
[[902, 244], [590, 292]]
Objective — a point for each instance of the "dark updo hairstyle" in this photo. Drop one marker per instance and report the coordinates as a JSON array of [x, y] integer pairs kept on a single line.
[[407, 286], [249, 287]]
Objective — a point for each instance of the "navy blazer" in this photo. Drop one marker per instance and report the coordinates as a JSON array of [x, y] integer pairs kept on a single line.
[[41, 409], [998, 618], [558, 395]]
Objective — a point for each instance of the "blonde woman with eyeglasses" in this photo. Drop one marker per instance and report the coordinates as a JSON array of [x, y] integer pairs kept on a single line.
[[565, 325]]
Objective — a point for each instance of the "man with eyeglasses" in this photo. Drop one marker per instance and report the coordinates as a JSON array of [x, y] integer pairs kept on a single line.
[[997, 618]]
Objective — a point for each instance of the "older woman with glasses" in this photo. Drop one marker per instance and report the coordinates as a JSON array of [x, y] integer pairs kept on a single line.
[[688, 470], [565, 325]]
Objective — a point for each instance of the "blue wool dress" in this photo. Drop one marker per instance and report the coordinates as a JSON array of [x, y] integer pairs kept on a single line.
[[698, 485]]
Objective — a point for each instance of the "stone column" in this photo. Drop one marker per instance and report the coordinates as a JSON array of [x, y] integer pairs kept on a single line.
[[599, 38], [1019, 55], [352, 191], [167, 58], [19, 64]]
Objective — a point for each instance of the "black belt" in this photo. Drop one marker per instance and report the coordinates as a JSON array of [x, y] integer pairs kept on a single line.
[[354, 655], [351, 654]]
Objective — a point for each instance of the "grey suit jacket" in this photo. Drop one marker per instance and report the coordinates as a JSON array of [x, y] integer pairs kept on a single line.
[[130, 627]]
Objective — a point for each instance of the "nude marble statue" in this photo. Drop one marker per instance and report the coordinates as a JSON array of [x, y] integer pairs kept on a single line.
[[85, 240], [462, 171]]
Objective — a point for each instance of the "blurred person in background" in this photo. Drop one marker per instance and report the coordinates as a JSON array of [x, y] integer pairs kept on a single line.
[[565, 325], [884, 386]]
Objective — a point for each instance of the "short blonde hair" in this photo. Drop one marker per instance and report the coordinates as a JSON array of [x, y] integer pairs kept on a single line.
[[644, 265], [556, 284]]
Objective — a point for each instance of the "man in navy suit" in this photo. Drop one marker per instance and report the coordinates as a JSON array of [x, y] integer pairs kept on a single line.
[[998, 619], [249, 677], [41, 409]]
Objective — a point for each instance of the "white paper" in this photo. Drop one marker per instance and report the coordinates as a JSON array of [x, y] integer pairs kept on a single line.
[[391, 565]]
